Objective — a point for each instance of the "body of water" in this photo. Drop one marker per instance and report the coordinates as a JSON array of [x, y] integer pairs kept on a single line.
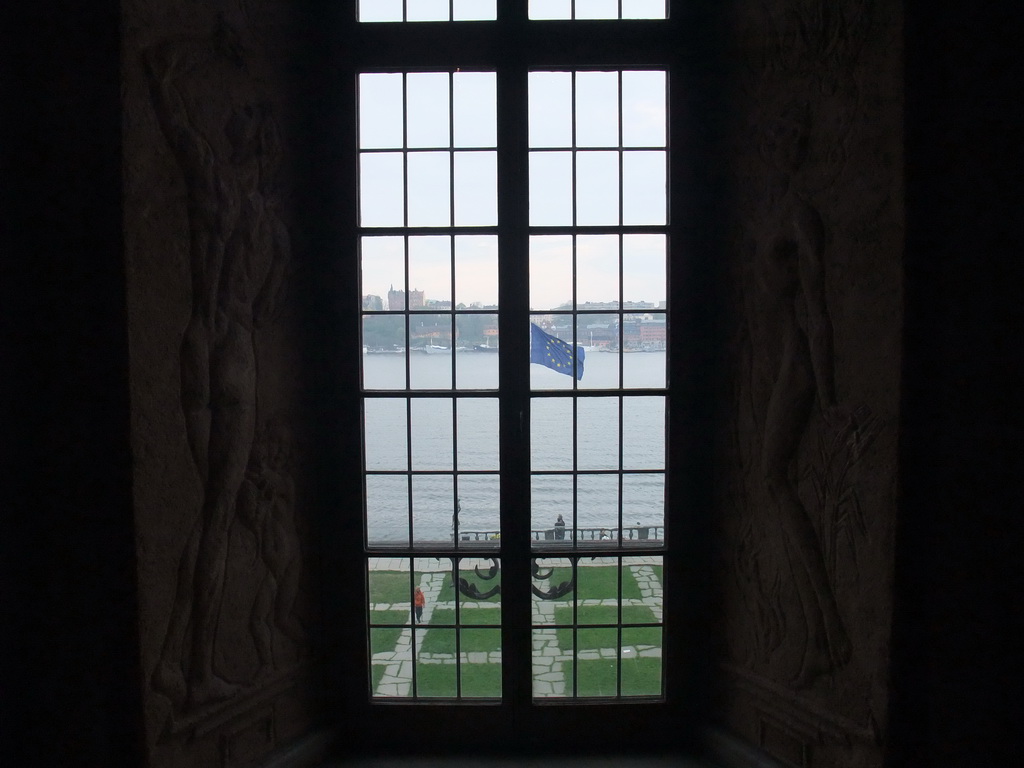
[[452, 447]]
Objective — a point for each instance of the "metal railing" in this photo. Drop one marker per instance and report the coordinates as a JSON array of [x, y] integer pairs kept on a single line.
[[557, 533]]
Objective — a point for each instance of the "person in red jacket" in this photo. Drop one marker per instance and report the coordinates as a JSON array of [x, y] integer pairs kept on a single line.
[[419, 600]]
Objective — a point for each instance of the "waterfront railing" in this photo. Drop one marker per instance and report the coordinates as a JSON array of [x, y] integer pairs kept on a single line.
[[629, 533]]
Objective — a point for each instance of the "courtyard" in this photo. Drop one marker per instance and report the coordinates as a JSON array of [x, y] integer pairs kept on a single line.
[[581, 645]]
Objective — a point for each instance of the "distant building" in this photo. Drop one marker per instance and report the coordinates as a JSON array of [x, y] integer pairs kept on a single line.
[[653, 331], [396, 300]]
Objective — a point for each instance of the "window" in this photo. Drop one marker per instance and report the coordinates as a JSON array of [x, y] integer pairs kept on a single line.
[[514, 235]]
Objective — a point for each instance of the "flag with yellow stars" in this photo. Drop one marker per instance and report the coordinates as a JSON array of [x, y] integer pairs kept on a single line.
[[554, 353]]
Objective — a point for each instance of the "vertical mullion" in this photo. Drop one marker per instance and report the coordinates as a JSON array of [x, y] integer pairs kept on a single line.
[[514, 381], [456, 561], [618, 623]]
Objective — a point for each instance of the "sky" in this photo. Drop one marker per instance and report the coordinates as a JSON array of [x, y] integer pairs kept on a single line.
[[449, 128], [484, 10]]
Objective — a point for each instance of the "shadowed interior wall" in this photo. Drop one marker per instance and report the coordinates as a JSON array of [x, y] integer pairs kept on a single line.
[[807, 481], [74, 686], [227, 574]]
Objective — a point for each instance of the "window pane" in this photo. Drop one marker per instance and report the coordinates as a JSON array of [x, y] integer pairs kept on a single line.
[[475, 10], [550, 9], [597, 433], [382, 268], [597, 188], [643, 433], [597, 109], [384, 361], [643, 188], [432, 441], [427, 10], [649, 575], [643, 109], [643, 270], [550, 272], [476, 272], [551, 189], [479, 503], [429, 189], [478, 433], [391, 662], [597, 506], [427, 109], [380, 10], [430, 359], [551, 433], [641, 661], [430, 272], [643, 507], [551, 499], [552, 648], [476, 189], [597, 9], [387, 509], [381, 190], [480, 647], [433, 504], [648, 333], [380, 111], [557, 373], [384, 428], [476, 353], [475, 109], [643, 9], [550, 109], [597, 273]]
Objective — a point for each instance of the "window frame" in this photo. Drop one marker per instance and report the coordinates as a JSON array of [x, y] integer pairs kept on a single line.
[[512, 46]]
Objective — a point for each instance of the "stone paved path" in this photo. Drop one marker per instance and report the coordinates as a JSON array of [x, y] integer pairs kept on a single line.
[[549, 659]]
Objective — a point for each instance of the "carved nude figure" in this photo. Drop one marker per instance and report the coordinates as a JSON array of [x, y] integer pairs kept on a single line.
[[792, 365], [227, 148], [266, 506]]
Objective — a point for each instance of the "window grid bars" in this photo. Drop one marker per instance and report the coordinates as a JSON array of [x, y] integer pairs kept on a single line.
[[407, 312]]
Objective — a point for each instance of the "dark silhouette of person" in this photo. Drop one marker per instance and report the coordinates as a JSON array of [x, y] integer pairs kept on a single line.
[[559, 528]]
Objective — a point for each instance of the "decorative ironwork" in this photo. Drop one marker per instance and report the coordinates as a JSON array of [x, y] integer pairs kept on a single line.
[[472, 590]]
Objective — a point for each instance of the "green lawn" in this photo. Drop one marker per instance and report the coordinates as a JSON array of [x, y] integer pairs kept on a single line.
[[598, 582], [597, 677], [390, 587], [469, 616], [606, 638], [376, 673], [640, 677], [390, 617], [443, 640], [478, 680], [382, 640]]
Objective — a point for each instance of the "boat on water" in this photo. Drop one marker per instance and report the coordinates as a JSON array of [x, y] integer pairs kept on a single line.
[[484, 348]]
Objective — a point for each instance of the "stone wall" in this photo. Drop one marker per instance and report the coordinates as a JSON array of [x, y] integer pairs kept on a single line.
[[225, 569], [808, 471]]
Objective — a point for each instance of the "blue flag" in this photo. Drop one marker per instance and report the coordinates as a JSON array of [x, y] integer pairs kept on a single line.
[[556, 354]]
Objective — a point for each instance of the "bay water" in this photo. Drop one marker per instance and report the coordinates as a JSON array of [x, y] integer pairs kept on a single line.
[[453, 446]]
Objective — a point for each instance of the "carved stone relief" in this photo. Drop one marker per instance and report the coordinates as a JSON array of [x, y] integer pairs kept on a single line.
[[809, 499], [224, 609]]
